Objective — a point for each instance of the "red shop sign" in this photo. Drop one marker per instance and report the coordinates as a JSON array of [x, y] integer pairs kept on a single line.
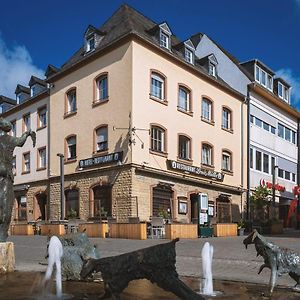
[[296, 190], [269, 185]]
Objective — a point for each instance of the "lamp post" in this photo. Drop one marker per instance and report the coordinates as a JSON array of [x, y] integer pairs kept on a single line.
[[273, 189], [62, 183]]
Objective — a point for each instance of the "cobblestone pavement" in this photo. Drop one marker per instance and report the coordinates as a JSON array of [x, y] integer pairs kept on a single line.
[[231, 260]]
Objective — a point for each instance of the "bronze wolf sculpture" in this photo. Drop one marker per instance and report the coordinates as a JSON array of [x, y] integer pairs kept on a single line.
[[279, 260]]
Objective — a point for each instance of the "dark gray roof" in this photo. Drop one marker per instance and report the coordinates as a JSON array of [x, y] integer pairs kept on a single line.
[[21, 88], [123, 22], [283, 81], [260, 63], [35, 79], [4, 99], [51, 70]]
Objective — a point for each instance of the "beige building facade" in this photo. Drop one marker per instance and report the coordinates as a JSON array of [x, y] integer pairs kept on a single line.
[[144, 131]]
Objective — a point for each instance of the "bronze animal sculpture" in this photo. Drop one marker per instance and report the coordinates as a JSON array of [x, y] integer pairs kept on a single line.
[[279, 260], [7, 146], [156, 263]]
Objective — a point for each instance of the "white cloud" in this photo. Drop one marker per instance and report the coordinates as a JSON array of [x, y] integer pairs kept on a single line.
[[16, 66], [294, 81]]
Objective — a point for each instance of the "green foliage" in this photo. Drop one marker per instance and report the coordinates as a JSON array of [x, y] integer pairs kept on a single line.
[[72, 214], [260, 203], [163, 213]]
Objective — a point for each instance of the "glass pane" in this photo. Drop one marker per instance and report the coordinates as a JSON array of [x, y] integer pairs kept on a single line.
[[258, 160], [258, 122], [281, 130], [266, 163], [266, 126]]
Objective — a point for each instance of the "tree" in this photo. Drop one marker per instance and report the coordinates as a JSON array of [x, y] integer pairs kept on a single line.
[[260, 203]]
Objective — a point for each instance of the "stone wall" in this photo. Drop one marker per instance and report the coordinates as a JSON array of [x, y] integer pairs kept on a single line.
[[119, 178], [143, 183]]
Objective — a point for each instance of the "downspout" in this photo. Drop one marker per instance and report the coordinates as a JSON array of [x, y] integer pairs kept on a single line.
[[298, 175], [248, 159], [242, 155]]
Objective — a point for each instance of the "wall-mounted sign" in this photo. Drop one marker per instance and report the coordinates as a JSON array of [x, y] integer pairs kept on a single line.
[[174, 165], [296, 190], [101, 160], [269, 185]]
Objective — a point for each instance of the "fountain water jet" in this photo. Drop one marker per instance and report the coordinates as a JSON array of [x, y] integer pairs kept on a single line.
[[207, 255], [55, 253]]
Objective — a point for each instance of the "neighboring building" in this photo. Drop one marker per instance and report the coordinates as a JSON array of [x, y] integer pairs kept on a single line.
[[273, 122], [30, 164], [6, 104], [146, 128]]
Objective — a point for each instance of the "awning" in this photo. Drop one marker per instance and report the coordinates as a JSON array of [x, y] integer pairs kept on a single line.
[[21, 187]]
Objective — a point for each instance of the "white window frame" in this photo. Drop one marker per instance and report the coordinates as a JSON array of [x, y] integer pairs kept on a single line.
[[101, 135], [42, 163], [189, 55], [26, 159], [164, 39], [69, 145], [212, 69], [72, 96], [184, 102], [226, 122], [157, 139], [229, 162], [88, 44], [209, 111], [206, 157], [282, 90], [187, 146], [259, 74], [159, 78]]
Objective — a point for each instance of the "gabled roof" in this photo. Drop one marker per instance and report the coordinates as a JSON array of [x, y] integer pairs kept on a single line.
[[22, 89], [164, 26], [51, 70], [34, 80], [260, 63], [4, 99], [210, 57], [282, 81], [91, 30]]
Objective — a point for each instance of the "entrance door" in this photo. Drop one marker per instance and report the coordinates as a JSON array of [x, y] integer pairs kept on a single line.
[[41, 209], [194, 208], [224, 214]]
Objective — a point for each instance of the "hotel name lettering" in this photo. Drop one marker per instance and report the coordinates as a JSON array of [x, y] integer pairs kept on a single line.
[[195, 170], [101, 160]]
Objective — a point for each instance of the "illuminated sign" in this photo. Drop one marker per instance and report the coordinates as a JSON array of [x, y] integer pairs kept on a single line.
[[269, 185]]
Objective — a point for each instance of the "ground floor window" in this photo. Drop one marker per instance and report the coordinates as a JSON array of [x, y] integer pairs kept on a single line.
[[72, 203], [102, 201], [162, 201], [223, 213]]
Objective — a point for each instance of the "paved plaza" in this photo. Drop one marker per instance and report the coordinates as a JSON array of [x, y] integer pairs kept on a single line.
[[231, 260]]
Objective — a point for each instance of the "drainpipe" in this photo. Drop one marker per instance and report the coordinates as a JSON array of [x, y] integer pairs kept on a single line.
[[248, 159], [298, 175], [242, 153]]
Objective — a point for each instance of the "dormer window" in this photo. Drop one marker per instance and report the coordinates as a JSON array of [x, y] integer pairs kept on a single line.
[[264, 78], [90, 44], [283, 92], [212, 69], [164, 40], [189, 56], [21, 97], [33, 90]]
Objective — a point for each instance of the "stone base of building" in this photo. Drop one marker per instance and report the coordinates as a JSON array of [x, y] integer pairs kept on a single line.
[[7, 257]]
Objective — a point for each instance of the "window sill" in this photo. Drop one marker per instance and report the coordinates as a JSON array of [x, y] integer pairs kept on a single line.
[[100, 153], [210, 122], [25, 172], [70, 114], [40, 128], [187, 161], [41, 169], [210, 167], [162, 154], [69, 161], [161, 101], [227, 129], [189, 113], [228, 172], [99, 102]]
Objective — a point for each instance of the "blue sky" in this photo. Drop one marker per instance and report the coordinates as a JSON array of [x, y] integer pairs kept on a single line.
[[35, 33]]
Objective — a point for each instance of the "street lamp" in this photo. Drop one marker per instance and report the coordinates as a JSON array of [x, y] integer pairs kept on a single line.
[[62, 183], [273, 189]]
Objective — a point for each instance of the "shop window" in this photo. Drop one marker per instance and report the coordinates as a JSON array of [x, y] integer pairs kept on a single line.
[[162, 201], [223, 209], [102, 201], [72, 203]]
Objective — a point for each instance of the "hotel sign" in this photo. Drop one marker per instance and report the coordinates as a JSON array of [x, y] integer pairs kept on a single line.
[[101, 160], [174, 165]]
